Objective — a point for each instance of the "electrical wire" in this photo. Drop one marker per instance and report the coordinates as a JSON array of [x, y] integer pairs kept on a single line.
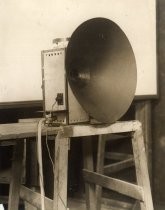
[[40, 163], [47, 146], [54, 105], [51, 111], [39, 154]]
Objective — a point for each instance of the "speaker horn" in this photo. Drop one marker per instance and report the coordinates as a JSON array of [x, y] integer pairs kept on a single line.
[[101, 69]]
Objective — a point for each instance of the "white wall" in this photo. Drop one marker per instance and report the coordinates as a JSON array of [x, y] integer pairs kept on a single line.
[[27, 27]]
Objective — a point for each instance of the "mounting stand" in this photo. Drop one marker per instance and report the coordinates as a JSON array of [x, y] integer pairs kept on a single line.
[[140, 192]]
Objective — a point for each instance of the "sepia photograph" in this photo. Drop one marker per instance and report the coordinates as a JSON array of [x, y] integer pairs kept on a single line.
[[82, 100]]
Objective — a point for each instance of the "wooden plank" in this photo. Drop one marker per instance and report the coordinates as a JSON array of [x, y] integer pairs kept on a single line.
[[142, 169], [34, 198], [115, 167], [117, 185], [116, 137], [17, 167], [117, 204], [107, 204], [60, 173], [89, 130], [28, 205], [117, 156], [29, 129], [29, 120], [23, 130], [100, 167], [7, 143], [88, 164]]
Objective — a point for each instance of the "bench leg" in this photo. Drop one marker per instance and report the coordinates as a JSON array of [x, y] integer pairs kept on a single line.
[[142, 169], [100, 168], [90, 192], [16, 176], [60, 173]]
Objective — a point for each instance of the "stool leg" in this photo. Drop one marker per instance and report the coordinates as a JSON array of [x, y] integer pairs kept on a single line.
[[16, 175], [60, 173], [88, 164], [142, 169], [100, 168]]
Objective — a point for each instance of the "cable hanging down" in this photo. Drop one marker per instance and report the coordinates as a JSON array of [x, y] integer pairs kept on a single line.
[[39, 155]]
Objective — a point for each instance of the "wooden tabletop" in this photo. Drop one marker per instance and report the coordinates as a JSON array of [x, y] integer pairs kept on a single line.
[[23, 130]]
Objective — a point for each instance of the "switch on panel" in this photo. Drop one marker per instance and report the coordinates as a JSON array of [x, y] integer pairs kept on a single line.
[[60, 99]]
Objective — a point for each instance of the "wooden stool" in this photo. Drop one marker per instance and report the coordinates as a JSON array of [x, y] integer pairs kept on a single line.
[[141, 192], [96, 180]]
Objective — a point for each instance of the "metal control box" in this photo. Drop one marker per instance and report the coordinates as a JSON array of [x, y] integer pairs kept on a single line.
[[60, 105]]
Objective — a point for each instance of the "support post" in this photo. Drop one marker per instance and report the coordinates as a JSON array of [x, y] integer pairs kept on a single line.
[[16, 176], [90, 192], [60, 173], [142, 169], [100, 168], [143, 114]]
